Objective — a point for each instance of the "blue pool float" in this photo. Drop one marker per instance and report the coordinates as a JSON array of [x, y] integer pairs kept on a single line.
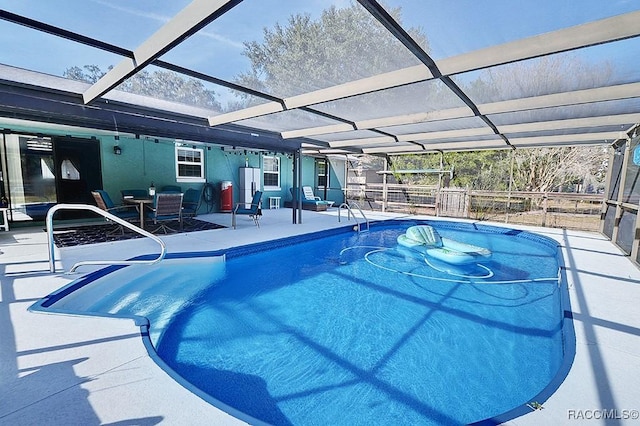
[[426, 239]]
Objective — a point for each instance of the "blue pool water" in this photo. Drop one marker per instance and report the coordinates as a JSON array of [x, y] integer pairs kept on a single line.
[[350, 329]]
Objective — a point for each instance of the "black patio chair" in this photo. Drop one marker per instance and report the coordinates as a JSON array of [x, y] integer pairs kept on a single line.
[[253, 211], [166, 208]]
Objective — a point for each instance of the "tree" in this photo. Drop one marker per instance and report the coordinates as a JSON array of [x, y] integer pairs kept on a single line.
[[347, 44], [548, 169], [88, 73], [160, 84], [482, 170], [534, 169], [537, 77], [342, 45], [542, 169]]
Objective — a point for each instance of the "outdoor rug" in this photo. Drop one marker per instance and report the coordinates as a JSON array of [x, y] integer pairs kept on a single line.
[[101, 233]]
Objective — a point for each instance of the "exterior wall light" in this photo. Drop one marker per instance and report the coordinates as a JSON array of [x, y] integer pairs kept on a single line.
[[117, 150]]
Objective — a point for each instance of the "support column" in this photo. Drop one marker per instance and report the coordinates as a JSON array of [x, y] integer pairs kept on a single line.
[[326, 178], [438, 191], [384, 184], [506, 216], [619, 195], [299, 187], [607, 189], [295, 191]]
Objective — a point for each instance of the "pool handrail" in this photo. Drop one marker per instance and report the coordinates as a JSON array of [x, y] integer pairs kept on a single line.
[[350, 213], [107, 215]]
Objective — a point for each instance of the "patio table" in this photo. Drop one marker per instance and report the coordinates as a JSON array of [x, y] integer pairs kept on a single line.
[[141, 203]]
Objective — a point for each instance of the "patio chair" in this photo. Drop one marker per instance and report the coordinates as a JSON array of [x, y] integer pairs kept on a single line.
[[134, 193], [191, 202], [104, 202], [253, 211], [167, 208], [171, 188]]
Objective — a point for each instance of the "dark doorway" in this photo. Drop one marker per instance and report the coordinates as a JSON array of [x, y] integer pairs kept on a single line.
[[78, 171]]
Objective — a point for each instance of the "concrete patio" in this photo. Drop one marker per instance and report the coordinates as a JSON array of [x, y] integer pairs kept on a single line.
[[59, 369]]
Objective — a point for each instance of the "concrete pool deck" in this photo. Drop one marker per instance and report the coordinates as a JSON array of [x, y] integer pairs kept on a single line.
[[58, 369]]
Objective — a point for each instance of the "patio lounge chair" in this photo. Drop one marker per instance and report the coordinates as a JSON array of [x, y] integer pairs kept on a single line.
[[166, 208], [312, 203], [253, 211], [308, 194], [104, 202]]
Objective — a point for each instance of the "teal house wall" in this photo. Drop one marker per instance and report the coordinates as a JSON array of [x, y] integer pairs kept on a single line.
[[143, 160], [337, 173], [337, 180]]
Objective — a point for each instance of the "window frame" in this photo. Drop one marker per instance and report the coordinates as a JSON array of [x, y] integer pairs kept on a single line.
[[322, 164], [270, 172], [178, 163]]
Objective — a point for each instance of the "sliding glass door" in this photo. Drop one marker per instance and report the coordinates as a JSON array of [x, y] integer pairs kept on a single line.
[[41, 171]]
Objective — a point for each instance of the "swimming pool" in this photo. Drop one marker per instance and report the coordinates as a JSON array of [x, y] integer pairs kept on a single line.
[[347, 328]]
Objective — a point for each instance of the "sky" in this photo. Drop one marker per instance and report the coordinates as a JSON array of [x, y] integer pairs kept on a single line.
[[452, 27]]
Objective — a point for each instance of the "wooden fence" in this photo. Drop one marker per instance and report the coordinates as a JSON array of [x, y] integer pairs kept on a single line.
[[551, 209]]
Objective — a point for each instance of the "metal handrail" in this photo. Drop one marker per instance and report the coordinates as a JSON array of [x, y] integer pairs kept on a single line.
[[116, 219], [350, 213]]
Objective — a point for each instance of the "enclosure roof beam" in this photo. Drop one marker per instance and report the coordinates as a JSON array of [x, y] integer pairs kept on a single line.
[[439, 147], [445, 134], [602, 31], [363, 141], [421, 117], [394, 149], [590, 34], [60, 32], [574, 123], [187, 22], [577, 97], [577, 123], [601, 137], [357, 87]]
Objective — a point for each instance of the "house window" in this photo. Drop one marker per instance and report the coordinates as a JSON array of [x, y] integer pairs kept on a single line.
[[189, 164], [321, 174], [271, 173]]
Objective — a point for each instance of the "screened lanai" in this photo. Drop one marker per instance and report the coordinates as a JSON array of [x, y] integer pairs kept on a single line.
[[316, 78], [330, 76]]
